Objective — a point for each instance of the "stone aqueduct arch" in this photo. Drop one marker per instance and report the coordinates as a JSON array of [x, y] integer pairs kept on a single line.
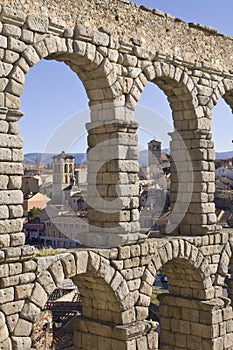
[[104, 44]]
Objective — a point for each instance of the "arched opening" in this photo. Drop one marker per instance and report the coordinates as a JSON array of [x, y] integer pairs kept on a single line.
[[222, 125], [160, 287], [180, 304], [179, 309], [178, 88], [54, 326], [182, 284], [155, 121], [81, 313], [47, 111], [52, 94]]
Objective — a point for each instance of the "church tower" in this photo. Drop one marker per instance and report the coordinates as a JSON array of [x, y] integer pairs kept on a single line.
[[154, 153], [63, 170]]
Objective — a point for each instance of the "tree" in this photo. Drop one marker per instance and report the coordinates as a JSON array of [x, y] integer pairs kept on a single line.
[[34, 215]]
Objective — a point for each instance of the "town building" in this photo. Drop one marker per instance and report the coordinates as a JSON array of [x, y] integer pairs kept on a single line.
[[31, 184], [224, 171], [62, 231], [53, 210], [34, 200], [33, 233]]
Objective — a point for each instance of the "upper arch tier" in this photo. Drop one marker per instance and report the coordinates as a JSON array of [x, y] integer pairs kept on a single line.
[[130, 23]]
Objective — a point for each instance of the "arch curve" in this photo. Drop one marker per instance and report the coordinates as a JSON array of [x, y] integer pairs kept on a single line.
[[95, 70], [224, 262], [179, 88], [182, 261], [96, 279], [224, 89]]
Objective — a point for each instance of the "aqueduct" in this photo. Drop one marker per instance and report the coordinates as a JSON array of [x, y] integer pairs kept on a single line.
[[116, 48]]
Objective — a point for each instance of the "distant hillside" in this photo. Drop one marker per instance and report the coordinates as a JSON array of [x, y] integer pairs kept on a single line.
[[143, 155], [46, 158], [224, 155]]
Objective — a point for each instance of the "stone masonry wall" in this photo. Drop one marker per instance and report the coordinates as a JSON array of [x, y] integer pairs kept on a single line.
[[116, 285], [161, 32], [192, 65]]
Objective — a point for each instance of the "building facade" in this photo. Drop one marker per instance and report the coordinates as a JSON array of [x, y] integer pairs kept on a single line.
[[62, 231]]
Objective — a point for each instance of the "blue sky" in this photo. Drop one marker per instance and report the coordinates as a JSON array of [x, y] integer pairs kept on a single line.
[[54, 99]]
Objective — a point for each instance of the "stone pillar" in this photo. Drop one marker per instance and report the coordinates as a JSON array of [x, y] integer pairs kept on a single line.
[[195, 324], [90, 334], [112, 183], [16, 265], [192, 183], [11, 170]]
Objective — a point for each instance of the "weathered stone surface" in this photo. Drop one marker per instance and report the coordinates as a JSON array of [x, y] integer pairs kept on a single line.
[[3, 333], [6, 295], [2, 319], [82, 262], [12, 308], [30, 312], [69, 266], [11, 30], [46, 281], [37, 24], [12, 321], [17, 239], [23, 328], [23, 291], [39, 295], [21, 343], [116, 285]]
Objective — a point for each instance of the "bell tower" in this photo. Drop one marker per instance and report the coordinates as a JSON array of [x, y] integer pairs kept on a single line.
[[63, 170], [154, 153]]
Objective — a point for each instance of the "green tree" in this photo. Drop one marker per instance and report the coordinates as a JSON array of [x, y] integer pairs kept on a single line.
[[34, 215]]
